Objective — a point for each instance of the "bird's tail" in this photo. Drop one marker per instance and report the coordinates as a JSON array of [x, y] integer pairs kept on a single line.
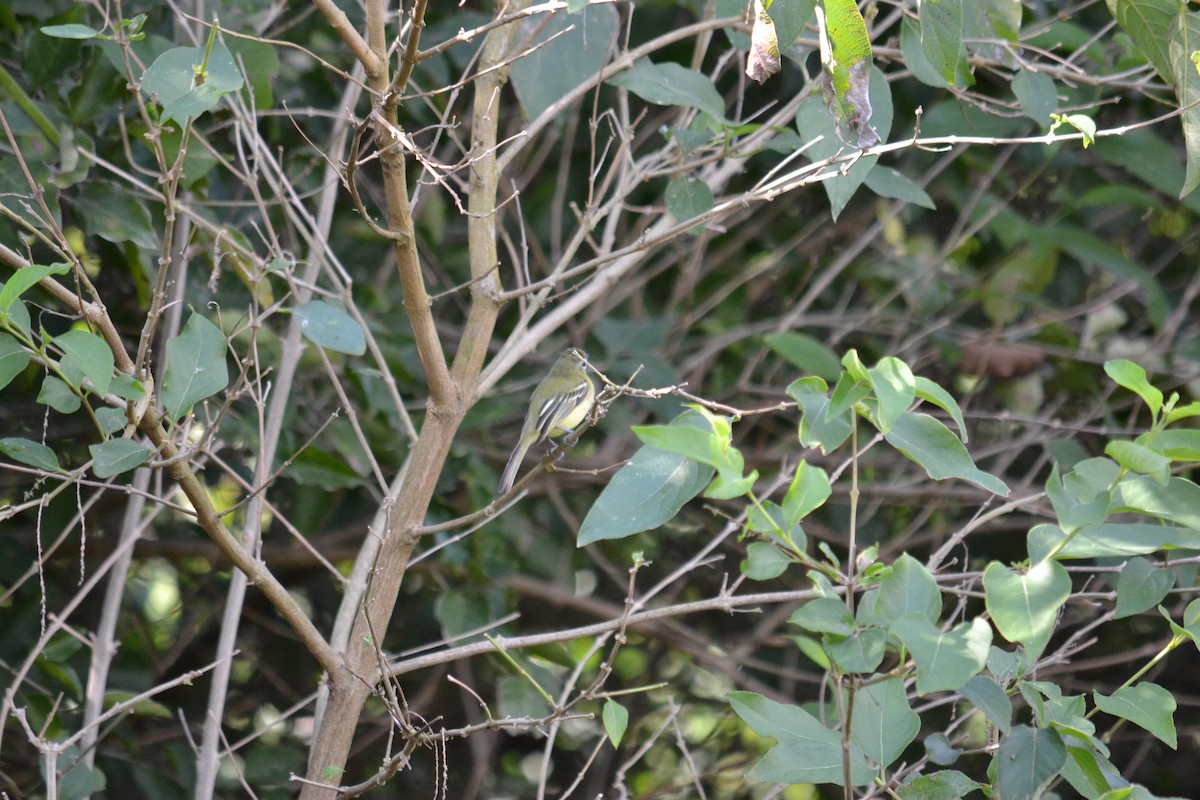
[[510, 469]]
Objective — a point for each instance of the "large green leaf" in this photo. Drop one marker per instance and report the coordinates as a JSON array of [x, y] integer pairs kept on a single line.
[[883, 724], [196, 366], [931, 444], [115, 213], [895, 389], [670, 84], [31, 453], [116, 456], [1141, 586], [174, 80], [908, 588], [13, 359], [1027, 759], [88, 353], [331, 328], [805, 752], [1037, 95], [942, 785], [1146, 705], [569, 49], [808, 491], [1150, 23], [24, 279], [806, 353], [1185, 41], [651, 488], [1024, 605], [941, 36], [1111, 539], [988, 697], [816, 429], [945, 660]]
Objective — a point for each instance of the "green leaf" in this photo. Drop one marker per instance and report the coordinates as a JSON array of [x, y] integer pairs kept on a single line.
[[1024, 605], [88, 353], [1077, 508], [1141, 586], [1177, 445], [860, 652], [848, 393], [1036, 94], [1149, 23], [70, 31], [806, 353], [764, 561], [913, 53], [111, 420], [115, 213], [1087, 771], [688, 197], [57, 394], [824, 615], [1178, 500], [908, 589], [116, 456], [941, 36], [1080, 122], [942, 785], [569, 50], [694, 442], [790, 18], [888, 182], [1190, 629], [895, 389], [648, 491], [1137, 458], [989, 698], [815, 429], [1027, 759], [196, 366], [809, 490], [172, 78], [616, 720], [1133, 377], [24, 279], [931, 392], [1111, 539], [940, 751], [945, 660], [883, 724], [313, 466], [13, 359], [332, 328], [1146, 705], [1184, 42], [806, 751], [942, 455], [670, 84], [33, 454]]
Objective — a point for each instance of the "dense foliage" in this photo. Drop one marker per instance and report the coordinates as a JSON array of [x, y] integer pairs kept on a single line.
[[888, 493]]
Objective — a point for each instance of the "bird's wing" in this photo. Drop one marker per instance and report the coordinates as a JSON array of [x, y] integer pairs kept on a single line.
[[559, 407]]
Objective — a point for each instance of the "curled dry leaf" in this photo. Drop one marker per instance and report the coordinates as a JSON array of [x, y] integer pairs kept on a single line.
[[995, 360], [763, 60]]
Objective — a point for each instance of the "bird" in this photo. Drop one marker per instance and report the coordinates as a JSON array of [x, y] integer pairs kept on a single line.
[[558, 405]]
